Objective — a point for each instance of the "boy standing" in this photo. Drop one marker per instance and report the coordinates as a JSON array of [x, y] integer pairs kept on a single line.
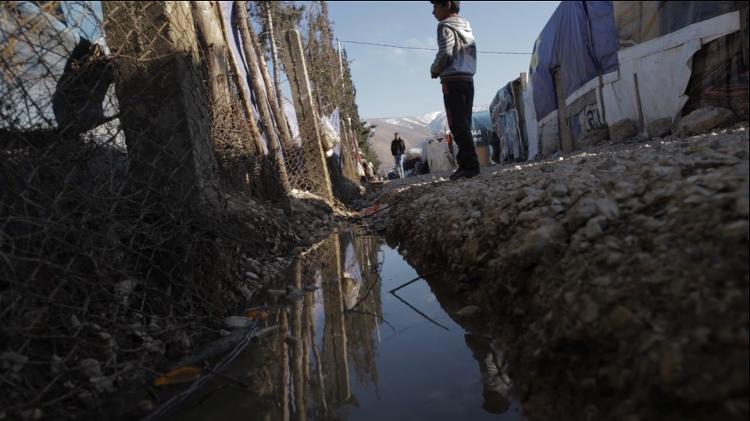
[[455, 64]]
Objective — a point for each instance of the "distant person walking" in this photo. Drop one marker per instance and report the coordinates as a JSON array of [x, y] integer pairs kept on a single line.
[[398, 148], [455, 64]]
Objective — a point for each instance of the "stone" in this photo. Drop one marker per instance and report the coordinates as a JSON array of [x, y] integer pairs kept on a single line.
[[90, 368], [608, 209], [623, 130], [558, 190], [145, 405], [589, 309], [548, 237], [156, 346], [579, 214], [737, 230], [103, 384], [702, 119], [468, 311], [593, 229], [13, 361], [621, 316], [238, 322], [595, 136], [660, 127]]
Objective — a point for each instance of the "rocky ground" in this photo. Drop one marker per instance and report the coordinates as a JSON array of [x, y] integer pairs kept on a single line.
[[615, 279]]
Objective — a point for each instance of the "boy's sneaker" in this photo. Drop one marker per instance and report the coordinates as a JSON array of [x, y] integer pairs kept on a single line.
[[459, 173]]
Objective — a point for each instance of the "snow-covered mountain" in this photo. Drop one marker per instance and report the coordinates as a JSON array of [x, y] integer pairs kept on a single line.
[[414, 130]]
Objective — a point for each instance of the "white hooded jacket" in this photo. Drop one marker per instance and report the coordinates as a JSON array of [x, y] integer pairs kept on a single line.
[[457, 51]]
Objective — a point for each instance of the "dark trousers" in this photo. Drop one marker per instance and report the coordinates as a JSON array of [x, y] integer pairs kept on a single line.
[[458, 97]]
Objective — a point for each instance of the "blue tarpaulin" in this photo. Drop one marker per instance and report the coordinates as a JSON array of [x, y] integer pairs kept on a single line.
[[581, 40]]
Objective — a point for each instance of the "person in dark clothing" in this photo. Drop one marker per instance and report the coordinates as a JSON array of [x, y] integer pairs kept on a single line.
[[455, 65], [398, 149]]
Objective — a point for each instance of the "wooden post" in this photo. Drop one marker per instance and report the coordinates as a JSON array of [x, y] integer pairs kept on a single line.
[[276, 77], [641, 124], [274, 149], [246, 104], [563, 126], [273, 102], [307, 118], [215, 48], [163, 106]]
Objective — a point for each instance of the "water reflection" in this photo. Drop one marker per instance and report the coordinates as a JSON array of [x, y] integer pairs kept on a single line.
[[324, 361]]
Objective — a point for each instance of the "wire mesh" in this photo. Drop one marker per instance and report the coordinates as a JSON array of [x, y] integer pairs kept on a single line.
[[114, 169]]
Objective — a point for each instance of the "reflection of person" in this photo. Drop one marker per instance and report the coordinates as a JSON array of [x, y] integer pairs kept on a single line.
[[455, 64], [398, 148], [495, 383]]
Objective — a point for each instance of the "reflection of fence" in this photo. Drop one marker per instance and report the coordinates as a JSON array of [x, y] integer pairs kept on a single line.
[[122, 129]]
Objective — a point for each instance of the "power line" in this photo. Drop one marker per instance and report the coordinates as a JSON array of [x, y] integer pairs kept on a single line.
[[427, 49]]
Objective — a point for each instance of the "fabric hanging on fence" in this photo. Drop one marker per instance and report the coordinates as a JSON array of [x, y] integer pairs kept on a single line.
[[504, 117], [39, 53], [565, 43], [291, 117], [229, 16]]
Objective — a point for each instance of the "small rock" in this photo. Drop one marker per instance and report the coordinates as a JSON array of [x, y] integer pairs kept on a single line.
[[251, 275], [703, 119], [608, 208], [593, 229], [558, 190], [737, 229], [90, 367], [145, 405], [468, 311], [623, 130], [74, 322], [589, 309], [595, 136], [247, 294], [579, 214], [276, 292], [660, 127], [13, 361], [621, 316], [547, 168], [156, 346], [238, 322], [32, 414], [102, 384]]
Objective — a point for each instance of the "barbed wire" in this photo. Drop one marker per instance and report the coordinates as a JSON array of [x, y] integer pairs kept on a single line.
[[427, 49]]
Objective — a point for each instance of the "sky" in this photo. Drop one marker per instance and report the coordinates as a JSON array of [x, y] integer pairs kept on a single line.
[[394, 82]]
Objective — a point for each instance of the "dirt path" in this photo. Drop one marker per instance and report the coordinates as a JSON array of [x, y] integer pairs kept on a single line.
[[615, 279]]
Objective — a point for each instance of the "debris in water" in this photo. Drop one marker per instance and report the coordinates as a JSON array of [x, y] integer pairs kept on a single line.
[[178, 376]]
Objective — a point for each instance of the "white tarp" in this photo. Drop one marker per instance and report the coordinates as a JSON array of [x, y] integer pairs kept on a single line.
[[438, 156], [532, 126], [663, 66]]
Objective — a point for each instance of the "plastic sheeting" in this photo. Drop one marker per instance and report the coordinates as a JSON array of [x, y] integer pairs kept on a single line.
[[641, 21], [532, 128], [504, 112], [664, 67], [580, 39], [438, 156]]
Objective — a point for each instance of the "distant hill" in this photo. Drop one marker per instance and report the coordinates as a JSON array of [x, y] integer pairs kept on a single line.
[[414, 131]]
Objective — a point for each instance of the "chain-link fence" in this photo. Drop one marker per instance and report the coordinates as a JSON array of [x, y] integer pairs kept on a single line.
[[118, 152]]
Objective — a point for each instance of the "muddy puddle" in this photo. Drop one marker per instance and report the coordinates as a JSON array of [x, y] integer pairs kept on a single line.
[[345, 348]]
